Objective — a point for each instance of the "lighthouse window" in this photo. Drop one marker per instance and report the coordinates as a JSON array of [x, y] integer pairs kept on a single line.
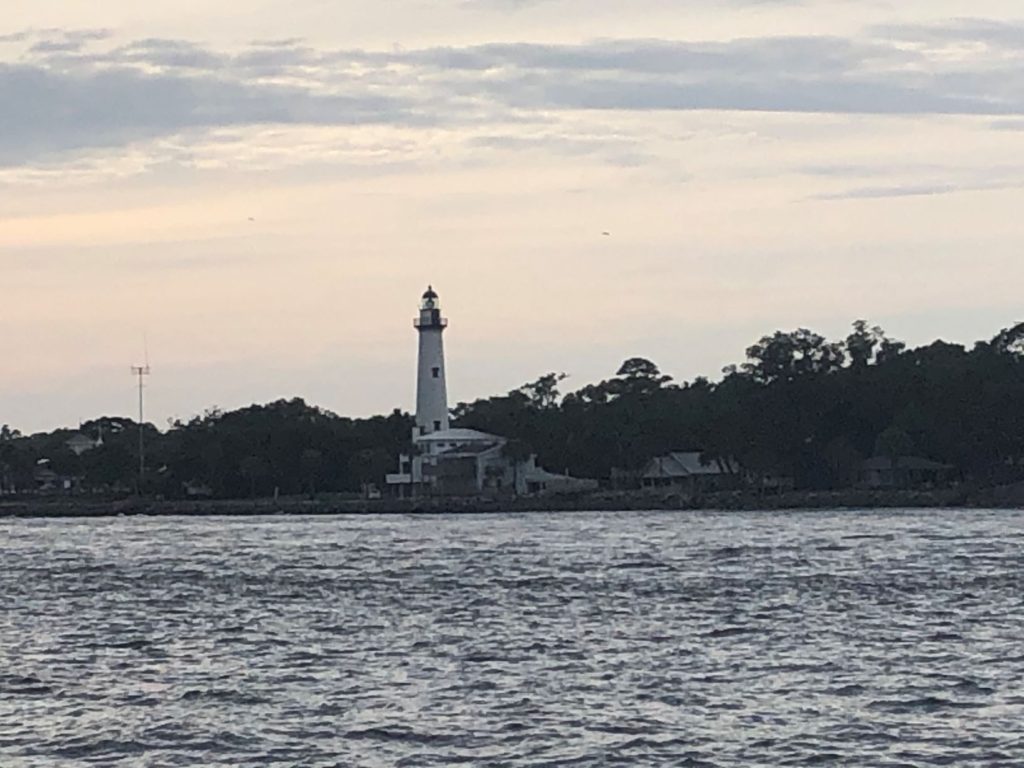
[[436, 372], [437, 426]]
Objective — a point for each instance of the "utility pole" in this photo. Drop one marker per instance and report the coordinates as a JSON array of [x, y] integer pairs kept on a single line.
[[141, 371]]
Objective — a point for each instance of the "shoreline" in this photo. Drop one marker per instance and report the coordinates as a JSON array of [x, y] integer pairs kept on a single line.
[[1005, 497]]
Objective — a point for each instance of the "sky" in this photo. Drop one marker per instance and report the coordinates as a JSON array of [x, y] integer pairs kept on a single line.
[[254, 196]]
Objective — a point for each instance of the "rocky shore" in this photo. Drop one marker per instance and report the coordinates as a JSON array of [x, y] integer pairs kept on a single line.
[[964, 496]]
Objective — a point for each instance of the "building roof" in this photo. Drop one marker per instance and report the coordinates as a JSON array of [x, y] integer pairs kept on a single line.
[[537, 474], [458, 436], [79, 443], [683, 464], [471, 449]]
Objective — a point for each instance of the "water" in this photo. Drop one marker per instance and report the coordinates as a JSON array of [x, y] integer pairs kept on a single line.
[[866, 639]]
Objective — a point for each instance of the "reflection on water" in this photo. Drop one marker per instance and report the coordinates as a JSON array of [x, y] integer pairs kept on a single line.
[[668, 639]]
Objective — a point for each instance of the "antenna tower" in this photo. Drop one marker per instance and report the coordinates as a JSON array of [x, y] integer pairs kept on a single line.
[[141, 371]]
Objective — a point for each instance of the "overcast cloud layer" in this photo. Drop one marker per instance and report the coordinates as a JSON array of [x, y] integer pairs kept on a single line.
[[265, 192], [77, 90]]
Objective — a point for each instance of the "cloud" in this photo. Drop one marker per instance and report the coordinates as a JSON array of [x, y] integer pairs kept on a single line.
[[1008, 125], [55, 46], [930, 179], [59, 112], [614, 150], [909, 190], [1005, 34], [72, 91], [783, 55]]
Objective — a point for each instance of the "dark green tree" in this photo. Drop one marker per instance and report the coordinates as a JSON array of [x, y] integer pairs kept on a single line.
[[787, 355]]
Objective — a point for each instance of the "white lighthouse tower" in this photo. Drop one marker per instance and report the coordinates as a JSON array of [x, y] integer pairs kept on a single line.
[[446, 462], [431, 390]]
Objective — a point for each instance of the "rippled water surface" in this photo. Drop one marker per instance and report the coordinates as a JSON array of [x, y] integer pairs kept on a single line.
[[741, 639]]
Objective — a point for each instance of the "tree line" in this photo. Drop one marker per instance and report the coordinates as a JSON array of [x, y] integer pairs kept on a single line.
[[286, 447], [800, 406]]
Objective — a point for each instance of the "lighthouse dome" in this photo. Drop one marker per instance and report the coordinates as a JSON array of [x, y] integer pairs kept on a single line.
[[429, 303]]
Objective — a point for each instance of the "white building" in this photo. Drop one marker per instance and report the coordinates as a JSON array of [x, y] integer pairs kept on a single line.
[[460, 462], [431, 389], [80, 443]]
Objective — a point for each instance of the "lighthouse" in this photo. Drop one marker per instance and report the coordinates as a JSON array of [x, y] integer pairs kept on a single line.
[[460, 461], [431, 390]]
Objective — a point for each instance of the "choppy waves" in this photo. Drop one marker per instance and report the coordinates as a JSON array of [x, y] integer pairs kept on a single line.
[[869, 639]]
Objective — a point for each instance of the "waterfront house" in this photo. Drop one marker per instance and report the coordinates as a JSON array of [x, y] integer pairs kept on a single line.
[[689, 473], [466, 462]]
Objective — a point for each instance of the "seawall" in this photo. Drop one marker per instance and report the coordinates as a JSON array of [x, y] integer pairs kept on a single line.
[[78, 507]]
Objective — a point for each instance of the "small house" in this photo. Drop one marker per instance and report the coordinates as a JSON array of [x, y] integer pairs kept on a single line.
[[688, 472]]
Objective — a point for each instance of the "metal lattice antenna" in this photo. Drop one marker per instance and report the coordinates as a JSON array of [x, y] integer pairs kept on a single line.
[[141, 371]]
